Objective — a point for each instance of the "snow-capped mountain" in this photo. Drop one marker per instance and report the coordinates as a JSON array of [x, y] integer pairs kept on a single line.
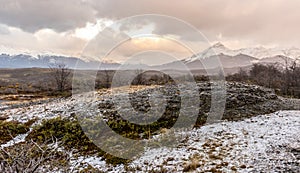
[[262, 52], [32, 53], [256, 52], [28, 61], [216, 49], [226, 61], [229, 58]]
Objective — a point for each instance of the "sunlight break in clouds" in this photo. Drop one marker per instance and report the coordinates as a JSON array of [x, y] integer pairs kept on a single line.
[[235, 23], [91, 29]]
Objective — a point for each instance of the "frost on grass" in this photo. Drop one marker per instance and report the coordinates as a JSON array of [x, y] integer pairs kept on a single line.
[[262, 143]]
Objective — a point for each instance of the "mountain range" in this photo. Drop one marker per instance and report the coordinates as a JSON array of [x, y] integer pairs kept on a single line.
[[256, 52], [45, 61], [229, 58]]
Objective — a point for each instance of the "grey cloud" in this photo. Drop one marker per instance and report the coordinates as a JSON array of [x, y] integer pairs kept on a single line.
[[33, 15], [263, 21], [256, 21], [133, 24], [4, 30]]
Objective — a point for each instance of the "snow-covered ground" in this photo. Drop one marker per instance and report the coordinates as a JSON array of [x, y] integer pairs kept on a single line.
[[266, 143], [47, 110]]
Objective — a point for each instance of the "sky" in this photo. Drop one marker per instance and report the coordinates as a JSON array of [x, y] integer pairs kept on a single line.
[[68, 27]]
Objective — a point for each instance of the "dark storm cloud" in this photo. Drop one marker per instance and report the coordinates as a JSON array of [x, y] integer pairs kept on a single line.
[[234, 22], [260, 20], [33, 15]]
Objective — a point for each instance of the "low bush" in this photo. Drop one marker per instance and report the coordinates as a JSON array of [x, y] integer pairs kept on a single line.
[[11, 129], [72, 136]]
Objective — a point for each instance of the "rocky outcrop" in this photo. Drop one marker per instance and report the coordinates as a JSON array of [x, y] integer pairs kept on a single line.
[[242, 101], [245, 100]]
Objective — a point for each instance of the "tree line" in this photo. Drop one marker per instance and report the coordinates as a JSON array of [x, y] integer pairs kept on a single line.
[[285, 80]]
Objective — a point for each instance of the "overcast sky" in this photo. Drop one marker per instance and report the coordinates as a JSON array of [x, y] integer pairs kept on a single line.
[[65, 27]]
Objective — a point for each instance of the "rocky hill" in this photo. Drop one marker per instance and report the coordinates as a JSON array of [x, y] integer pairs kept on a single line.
[[242, 101]]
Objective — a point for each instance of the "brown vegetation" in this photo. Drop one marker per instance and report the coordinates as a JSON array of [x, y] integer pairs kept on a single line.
[[285, 81]]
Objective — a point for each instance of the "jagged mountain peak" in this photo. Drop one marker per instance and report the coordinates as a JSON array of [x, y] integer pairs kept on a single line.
[[218, 45], [216, 49], [258, 52]]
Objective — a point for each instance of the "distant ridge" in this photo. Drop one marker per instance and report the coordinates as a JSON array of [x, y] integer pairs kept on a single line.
[[229, 59]]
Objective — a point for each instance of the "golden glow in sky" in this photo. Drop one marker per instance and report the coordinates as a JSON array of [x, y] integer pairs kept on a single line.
[[91, 29]]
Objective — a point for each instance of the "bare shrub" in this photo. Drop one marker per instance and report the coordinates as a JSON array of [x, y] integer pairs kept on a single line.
[[33, 157], [61, 75]]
